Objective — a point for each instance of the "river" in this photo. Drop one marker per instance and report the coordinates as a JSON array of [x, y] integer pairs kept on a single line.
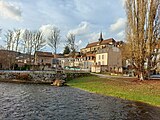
[[44, 102]]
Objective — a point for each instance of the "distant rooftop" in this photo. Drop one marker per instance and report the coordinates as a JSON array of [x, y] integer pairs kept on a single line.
[[103, 42], [44, 54]]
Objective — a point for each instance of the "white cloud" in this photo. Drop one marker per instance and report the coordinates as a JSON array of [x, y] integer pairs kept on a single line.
[[93, 37], [79, 42], [118, 25], [82, 28], [46, 29], [10, 10], [66, 14], [121, 35], [123, 2]]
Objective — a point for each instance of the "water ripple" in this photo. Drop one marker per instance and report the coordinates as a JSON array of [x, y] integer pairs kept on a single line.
[[41, 102]]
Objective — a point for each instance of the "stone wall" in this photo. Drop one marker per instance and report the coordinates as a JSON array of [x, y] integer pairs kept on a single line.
[[37, 76]]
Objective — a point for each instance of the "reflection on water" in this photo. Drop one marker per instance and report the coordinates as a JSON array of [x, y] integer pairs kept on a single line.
[[43, 102]]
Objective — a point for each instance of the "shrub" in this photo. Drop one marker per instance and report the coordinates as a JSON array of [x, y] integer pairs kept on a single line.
[[23, 76]]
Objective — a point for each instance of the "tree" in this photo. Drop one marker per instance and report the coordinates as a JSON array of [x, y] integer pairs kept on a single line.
[[13, 39], [38, 41], [0, 31], [142, 36], [28, 43], [28, 40], [1, 47], [12, 42], [17, 33], [54, 39], [9, 40], [71, 43], [66, 50]]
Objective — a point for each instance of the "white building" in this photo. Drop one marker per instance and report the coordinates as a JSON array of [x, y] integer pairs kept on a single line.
[[108, 59]]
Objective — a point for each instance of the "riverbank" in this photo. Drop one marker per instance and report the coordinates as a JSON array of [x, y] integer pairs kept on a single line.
[[25, 81], [126, 88], [37, 77]]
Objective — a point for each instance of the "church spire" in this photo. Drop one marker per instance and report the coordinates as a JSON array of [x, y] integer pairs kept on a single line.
[[100, 38]]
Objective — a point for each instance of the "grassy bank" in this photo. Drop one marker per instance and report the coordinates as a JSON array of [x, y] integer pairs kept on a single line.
[[126, 88]]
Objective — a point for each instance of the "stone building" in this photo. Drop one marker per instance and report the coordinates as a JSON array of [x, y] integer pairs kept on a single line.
[[43, 60], [7, 59]]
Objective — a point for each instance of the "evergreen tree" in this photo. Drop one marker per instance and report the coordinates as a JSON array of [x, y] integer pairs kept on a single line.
[[66, 50]]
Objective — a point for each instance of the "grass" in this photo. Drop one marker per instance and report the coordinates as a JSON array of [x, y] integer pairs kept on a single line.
[[126, 88]]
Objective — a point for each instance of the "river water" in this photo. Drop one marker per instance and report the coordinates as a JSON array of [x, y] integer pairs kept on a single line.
[[44, 102]]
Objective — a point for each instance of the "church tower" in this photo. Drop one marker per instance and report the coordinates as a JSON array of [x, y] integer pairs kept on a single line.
[[100, 38]]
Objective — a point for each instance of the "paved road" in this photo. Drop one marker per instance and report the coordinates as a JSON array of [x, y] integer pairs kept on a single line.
[[110, 76]]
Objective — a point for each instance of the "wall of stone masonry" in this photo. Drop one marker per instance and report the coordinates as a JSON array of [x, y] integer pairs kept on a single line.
[[37, 76]]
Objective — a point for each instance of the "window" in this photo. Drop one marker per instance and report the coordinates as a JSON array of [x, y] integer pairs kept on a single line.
[[0, 65], [102, 62], [102, 56], [99, 57]]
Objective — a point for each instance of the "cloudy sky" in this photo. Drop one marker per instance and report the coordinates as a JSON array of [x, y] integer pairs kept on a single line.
[[85, 18]]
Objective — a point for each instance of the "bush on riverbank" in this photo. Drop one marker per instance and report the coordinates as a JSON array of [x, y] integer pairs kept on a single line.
[[23, 76], [126, 88]]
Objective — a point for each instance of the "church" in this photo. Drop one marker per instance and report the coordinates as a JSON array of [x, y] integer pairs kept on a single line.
[[100, 44], [101, 56]]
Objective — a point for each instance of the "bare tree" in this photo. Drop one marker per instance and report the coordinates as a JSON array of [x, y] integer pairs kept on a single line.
[[17, 33], [1, 47], [38, 41], [25, 39], [12, 39], [28, 38], [0, 31], [54, 39], [141, 24], [71, 42], [9, 40], [28, 43]]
